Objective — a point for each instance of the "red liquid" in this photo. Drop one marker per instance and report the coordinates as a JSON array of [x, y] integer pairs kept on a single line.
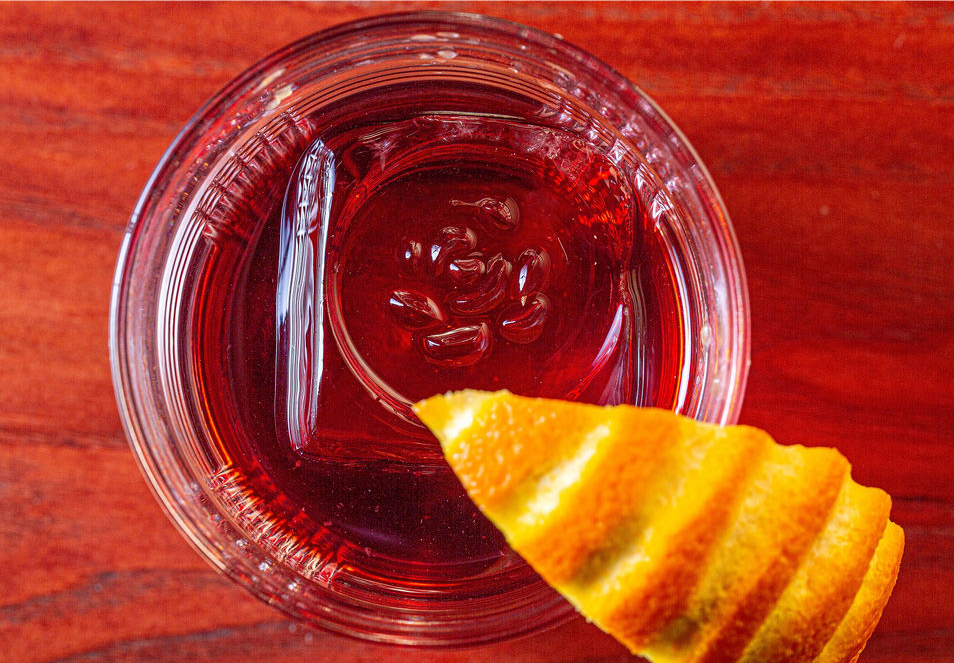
[[488, 265]]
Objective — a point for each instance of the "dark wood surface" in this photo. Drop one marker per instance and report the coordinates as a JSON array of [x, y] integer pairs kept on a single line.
[[828, 128]]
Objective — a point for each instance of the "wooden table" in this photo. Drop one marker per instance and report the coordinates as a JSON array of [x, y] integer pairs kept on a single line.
[[828, 128]]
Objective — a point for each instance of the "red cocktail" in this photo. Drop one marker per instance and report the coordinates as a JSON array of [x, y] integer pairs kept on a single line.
[[386, 211]]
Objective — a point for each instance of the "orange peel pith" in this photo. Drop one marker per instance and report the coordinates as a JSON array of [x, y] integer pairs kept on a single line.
[[688, 542]]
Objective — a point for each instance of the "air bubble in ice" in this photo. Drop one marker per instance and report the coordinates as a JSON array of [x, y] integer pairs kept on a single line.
[[415, 310], [503, 214], [410, 257], [487, 292], [451, 241], [464, 271], [461, 346], [522, 322], [531, 271]]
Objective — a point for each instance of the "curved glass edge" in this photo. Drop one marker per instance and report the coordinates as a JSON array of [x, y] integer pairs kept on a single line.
[[738, 302], [186, 141]]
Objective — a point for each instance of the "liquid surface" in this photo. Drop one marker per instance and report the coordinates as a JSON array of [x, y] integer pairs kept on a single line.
[[409, 258]]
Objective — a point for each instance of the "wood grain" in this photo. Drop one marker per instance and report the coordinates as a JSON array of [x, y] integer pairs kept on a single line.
[[829, 129]]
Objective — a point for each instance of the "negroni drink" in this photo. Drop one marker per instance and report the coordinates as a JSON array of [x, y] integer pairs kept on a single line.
[[409, 257], [390, 210]]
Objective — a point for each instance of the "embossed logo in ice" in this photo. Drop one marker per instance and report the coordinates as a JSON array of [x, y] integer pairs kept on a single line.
[[444, 252]]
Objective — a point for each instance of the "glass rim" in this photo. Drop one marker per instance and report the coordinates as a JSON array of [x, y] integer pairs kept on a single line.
[[135, 412]]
